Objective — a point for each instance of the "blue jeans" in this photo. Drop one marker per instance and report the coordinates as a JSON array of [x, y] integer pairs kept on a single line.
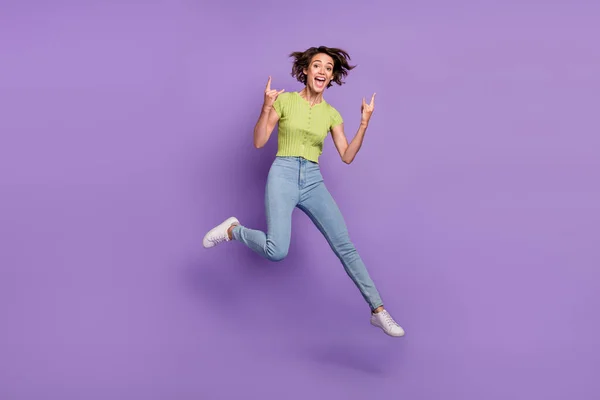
[[296, 182]]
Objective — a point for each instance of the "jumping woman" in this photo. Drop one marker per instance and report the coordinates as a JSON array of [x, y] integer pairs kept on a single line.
[[304, 119]]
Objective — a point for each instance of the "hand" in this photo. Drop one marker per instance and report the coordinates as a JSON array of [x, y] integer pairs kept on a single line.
[[270, 95], [367, 109]]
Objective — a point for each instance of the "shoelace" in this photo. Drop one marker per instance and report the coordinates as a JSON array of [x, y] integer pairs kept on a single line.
[[388, 319], [219, 238]]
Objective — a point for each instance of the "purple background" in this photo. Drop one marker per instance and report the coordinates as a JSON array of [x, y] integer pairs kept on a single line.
[[126, 133]]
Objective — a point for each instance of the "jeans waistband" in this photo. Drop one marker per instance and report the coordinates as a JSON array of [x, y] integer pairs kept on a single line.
[[296, 158]]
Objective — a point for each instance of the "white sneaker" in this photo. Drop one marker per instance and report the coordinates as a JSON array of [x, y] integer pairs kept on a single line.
[[385, 321], [218, 234]]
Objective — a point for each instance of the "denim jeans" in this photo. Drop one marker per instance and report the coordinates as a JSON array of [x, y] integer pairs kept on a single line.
[[296, 182]]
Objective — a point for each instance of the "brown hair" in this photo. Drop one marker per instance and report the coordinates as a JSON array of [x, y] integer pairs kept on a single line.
[[340, 63]]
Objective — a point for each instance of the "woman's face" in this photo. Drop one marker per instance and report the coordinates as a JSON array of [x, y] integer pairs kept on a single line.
[[319, 72]]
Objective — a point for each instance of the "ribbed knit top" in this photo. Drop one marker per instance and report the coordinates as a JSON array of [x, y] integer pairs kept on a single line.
[[302, 128]]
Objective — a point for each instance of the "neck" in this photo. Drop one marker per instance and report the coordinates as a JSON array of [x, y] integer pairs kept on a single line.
[[311, 96]]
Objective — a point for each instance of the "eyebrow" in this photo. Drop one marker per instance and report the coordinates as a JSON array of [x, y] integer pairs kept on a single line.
[[316, 61]]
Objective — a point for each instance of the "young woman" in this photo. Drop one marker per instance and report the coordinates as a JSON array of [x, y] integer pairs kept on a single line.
[[295, 180]]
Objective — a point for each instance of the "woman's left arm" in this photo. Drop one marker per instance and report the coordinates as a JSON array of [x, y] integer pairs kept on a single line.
[[348, 151]]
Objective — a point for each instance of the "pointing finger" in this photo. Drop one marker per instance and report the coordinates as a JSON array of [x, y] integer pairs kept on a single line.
[[373, 99], [269, 84]]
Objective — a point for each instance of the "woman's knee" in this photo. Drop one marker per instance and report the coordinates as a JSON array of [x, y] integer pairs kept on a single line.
[[277, 253], [346, 250]]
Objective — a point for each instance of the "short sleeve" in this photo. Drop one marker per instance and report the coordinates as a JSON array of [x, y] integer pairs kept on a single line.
[[279, 103], [336, 118]]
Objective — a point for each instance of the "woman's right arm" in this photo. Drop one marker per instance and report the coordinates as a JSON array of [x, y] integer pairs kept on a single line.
[[268, 117]]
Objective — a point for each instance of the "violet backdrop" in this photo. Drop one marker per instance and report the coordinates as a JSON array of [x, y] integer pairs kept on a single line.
[[126, 133]]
